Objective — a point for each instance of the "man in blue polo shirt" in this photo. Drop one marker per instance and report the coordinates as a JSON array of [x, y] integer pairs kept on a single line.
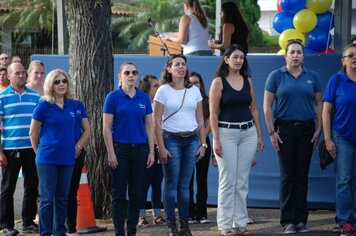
[[16, 107]]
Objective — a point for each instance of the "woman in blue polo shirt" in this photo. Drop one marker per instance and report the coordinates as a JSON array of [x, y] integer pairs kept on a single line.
[[294, 127], [81, 135], [52, 138], [339, 115], [128, 136]]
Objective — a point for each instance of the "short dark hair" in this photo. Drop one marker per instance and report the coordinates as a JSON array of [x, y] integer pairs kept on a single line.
[[145, 83], [3, 68]]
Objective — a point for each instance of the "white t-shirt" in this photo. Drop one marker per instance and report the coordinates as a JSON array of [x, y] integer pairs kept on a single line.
[[185, 119]]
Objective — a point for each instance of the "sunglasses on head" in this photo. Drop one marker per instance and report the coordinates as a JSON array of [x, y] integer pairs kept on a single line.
[[127, 73], [293, 41], [58, 81]]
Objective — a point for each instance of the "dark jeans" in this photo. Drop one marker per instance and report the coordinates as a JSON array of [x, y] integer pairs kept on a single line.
[[132, 159], [294, 160], [153, 177], [72, 196], [199, 209], [16, 159]]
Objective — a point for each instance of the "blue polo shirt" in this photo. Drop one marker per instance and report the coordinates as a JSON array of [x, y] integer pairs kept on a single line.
[[129, 116], [294, 97], [16, 112], [342, 95], [56, 138], [80, 113]]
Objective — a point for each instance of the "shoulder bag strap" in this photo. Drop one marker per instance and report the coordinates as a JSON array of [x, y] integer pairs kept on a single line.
[[181, 105]]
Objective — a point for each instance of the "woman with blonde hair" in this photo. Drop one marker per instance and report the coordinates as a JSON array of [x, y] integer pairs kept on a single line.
[[55, 115], [35, 77], [193, 31]]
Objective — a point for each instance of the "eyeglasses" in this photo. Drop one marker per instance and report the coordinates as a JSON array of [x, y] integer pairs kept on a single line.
[[127, 73], [350, 55], [4, 58], [58, 81], [294, 41], [195, 82]]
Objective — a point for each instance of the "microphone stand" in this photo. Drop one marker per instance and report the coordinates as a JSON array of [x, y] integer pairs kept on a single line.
[[164, 48]]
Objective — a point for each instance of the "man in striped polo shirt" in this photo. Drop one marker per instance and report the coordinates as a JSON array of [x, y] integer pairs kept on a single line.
[[16, 107]]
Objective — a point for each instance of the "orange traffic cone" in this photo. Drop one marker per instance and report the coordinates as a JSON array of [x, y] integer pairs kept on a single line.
[[85, 213]]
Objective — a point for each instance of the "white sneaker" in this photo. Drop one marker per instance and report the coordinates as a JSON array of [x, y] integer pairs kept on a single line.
[[204, 220]]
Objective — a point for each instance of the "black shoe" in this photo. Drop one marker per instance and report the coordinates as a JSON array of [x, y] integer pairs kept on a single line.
[[30, 229], [10, 232]]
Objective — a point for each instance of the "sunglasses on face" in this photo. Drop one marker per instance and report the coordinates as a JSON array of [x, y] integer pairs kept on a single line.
[[350, 55], [58, 81], [127, 73]]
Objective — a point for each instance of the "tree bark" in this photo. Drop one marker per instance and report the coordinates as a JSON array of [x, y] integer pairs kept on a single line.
[[91, 68]]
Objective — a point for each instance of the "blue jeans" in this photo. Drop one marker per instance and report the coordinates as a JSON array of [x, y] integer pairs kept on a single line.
[[177, 173], [345, 164], [54, 182], [132, 159]]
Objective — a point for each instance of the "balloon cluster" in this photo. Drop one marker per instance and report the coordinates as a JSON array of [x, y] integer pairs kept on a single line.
[[307, 20]]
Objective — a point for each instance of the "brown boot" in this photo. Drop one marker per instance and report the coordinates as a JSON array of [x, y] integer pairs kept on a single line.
[[172, 226], [184, 228]]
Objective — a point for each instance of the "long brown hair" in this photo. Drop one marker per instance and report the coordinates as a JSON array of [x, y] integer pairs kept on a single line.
[[197, 11], [167, 77], [206, 112]]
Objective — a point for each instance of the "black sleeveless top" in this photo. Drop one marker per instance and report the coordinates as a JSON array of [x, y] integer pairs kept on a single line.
[[235, 105]]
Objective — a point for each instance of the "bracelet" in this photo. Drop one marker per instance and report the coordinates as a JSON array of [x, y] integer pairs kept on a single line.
[[271, 133]]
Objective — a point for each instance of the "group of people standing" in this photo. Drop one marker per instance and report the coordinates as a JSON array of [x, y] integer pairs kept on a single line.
[[44, 131], [293, 108]]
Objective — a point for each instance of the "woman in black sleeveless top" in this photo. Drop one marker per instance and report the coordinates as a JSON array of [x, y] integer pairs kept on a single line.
[[236, 128]]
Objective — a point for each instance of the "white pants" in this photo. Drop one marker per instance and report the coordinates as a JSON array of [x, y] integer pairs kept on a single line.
[[239, 147]]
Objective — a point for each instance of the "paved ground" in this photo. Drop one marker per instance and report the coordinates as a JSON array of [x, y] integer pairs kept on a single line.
[[266, 223], [321, 222]]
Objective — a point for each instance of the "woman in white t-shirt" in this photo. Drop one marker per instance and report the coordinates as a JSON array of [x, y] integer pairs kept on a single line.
[[178, 121], [193, 31]]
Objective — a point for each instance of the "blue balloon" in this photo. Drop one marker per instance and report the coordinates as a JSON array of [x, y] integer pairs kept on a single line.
[[308, 51], [292, 6], [318, 39], [325, 21], [282, 21]]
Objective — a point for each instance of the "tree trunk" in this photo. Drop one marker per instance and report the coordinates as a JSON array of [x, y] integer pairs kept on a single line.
[[91, 67]]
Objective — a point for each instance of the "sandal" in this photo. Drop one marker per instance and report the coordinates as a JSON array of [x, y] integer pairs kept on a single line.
[[242, 231], [228, 232], [159, 220]]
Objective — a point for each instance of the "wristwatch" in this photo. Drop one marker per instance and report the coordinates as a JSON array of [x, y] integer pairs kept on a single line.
[[204, 145]]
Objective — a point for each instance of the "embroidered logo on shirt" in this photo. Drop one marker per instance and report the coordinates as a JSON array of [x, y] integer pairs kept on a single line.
[[309, 81], [143, 106], [72, 114]]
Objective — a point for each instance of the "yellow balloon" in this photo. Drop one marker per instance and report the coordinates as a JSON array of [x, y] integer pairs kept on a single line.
[[305, 20], [318, 6], [281, 52], [290, 34]]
